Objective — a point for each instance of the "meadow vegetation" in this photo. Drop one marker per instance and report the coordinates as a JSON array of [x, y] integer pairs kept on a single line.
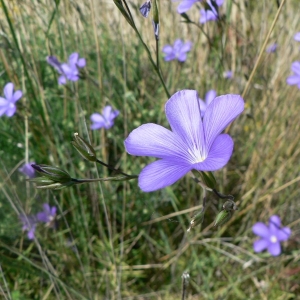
[[111, 239]]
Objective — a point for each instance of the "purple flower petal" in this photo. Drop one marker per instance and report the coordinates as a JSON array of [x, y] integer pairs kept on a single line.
[[293, 79], [106, 112], [260, 245], [274, 249], [155, 141], [98, 120], [261, 230], [219, 154], [16, 96], [283, 234], [62, 80], [73, 58], [81, 63], [184, 115], [28, 170], [168, 49], [161, 174], [219, 114], [181, 57], [274, 222], [210, 96], [295, 67], [54, 62], [207, 15], [8, 91], [297, 37], [186, 47], [219, 2], [10, 111], [185, 5]]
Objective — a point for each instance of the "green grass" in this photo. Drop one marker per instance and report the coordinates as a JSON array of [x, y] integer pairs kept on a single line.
[[108, 244]]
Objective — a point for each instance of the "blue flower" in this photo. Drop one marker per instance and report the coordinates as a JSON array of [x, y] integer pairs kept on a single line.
[[28, 170], [105, 120], [69, 70], [8, 104], [294, 79], [177, 51], [270, 237], [193, 143]]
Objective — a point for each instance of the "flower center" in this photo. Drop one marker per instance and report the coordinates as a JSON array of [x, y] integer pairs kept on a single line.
[[273, 239], [196, 155]]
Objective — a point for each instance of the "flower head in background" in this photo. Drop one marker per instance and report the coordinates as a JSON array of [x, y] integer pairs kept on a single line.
[[211, 13], [28, 170], [294, 79], [69, 70], [193, 143], [8, 104], [228, 74], [272, 48], [105, 120], [270, 237], [297, 37], [209, 96], [185, 5], [47, 215], [29, 225], [177, 51]]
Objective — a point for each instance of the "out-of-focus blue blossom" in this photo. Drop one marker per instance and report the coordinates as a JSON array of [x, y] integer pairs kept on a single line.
[[272, 48], [210, 14], [228, 74], [209, 96], [8, 104], [185, 5], [297, 37], [28, 170], [105, 120], [294, 79], [29, 225], [177, 51], [69, 70], [270, 237], [47, 215]]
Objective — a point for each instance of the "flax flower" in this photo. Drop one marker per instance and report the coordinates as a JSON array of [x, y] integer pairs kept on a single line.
[[193, 143], [270, 236]]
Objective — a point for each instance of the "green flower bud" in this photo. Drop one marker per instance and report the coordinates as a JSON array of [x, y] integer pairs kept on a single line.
[[53, 173], [222, 217], [84, 148]]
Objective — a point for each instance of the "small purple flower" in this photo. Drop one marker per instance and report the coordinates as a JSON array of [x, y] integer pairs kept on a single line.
[[8, 104], [178, 51], [209, 96], [193, 143], [294, 79], [270, 236], [210, 14], [28, 170], [29, 224], [272, 48], [185, 5], [47, 215], [228, 74], [105, 120], [68, 71], [297, 37]]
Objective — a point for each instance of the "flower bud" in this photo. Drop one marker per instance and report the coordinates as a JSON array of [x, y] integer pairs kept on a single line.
[[84, 148], [155, 19], [222, 217], [53, 178]]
